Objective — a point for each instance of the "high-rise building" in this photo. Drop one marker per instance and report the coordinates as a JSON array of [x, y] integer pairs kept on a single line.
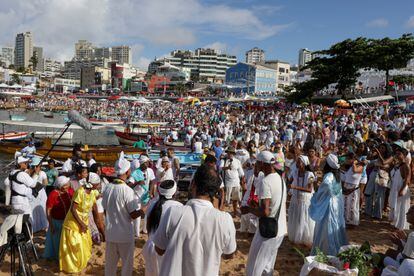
[[122, 54], [255, 56], [103, 52], [52, 67], [23, 50], [7, 56], [72, 69], [38, 53], [304, 57], [206, 64], [84, 50]]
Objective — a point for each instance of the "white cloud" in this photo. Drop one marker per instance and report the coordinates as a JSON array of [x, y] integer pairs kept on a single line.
[[378, 23], [143, 63], [266, 9], [410, 22], [57, 24], [220, 47]]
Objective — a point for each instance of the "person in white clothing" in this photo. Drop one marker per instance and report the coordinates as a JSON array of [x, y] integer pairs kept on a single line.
[[19, 188], [38, 204], [121, 209], [193, 238], [156, 208], [89, 159], [233, 178], [175, 163], [272, 201], [69, 166], [165, 171]]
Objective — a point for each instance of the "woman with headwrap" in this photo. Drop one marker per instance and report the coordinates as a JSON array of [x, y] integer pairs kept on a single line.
[[300, 224], [57, 206], [327, 210], [157, 207], [76, 241], [400, 193]]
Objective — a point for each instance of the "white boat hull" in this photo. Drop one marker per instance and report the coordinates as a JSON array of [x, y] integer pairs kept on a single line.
[[49, 134], [10, 136]]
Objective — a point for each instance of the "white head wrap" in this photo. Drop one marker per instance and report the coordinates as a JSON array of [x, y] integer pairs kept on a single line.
[[305, 160], [122, 165], [61, 181], [143, 159], [332, 161], [135, 164], [168, 193]]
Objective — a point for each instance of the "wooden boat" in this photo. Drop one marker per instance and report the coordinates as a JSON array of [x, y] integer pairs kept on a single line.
[[13, 136], [48, 114], [136, 131], [68, 135], [108, 122], [102, 154], [126, 138]]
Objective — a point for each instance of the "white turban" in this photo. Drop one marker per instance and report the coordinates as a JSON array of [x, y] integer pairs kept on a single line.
[[135, 164], [168, 193], [332, 161], [143, 159], [305, 160], [122, 165], [61, 181]]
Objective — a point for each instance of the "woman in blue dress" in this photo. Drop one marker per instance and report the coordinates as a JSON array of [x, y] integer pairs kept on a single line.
[[327, 210]]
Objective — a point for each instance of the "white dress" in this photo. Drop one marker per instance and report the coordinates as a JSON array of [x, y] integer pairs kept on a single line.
[[249, 222], [300, 225], [399, 204], [38, 205], [351, 181]]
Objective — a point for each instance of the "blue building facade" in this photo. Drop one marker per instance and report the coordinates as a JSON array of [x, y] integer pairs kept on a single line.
[[244, 78]]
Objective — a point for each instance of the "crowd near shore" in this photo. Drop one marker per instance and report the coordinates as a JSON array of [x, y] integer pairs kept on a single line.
[[307, 174]]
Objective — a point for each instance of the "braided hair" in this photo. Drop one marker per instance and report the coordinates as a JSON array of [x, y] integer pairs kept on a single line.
[[207, 182], [154, 216]]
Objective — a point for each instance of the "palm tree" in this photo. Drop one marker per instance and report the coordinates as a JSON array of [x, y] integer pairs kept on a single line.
[[34, 61]]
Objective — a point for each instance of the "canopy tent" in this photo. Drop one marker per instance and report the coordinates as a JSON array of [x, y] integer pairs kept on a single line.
[[372, 99], [3, 85], [16, 86]]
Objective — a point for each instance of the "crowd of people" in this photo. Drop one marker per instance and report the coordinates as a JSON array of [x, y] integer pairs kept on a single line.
[[307, 173]]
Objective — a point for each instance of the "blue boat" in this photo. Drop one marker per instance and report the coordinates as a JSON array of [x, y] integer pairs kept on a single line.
[[17, 118]]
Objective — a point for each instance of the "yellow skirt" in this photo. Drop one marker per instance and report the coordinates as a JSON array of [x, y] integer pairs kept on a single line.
[[75, 250]]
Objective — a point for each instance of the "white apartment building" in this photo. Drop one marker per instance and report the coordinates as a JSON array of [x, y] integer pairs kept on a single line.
[[23, 50], [304, 57], [84, 49], [255, 56], [283, 73], [207, 64], [52, 68], [7, 56]]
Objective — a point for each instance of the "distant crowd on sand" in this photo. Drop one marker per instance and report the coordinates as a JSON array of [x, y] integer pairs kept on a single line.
[[302, 173]]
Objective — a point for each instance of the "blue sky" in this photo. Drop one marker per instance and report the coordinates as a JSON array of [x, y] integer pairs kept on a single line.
[[155, 27]]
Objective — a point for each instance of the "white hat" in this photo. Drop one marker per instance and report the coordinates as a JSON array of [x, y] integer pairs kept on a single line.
[[22, 159], [122, 165], [266, 157], [143, 159], [93, 178], [61, 181], [332, 161], [135, 164], [168, 193], [304, 159], [165, 159]]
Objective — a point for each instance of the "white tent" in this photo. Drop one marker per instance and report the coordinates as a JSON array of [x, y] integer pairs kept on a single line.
[[3, 85]]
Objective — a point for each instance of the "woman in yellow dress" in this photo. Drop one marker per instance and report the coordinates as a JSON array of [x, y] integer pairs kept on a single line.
[[76, 242]]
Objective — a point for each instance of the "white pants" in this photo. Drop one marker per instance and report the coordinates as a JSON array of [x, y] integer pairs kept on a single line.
[[262, 255], [114, 251], [233, 193]]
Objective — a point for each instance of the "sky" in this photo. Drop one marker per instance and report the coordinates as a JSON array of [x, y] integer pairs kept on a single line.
[[153, 28]]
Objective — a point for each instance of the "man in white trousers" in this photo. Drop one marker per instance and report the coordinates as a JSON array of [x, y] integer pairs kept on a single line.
[[121, 209], [272, 196]]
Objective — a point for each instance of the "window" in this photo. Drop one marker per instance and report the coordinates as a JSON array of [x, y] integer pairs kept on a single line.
[[282, 70]]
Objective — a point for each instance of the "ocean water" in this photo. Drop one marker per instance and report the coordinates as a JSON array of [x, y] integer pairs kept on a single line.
[[92, 137]]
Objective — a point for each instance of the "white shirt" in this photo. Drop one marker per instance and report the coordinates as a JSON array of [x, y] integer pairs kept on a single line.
[[168, 174], [91, 162], [198, 147], [119, 201], [232, 175], [21, 203], [68, 165], [194, 237], [271, 187]]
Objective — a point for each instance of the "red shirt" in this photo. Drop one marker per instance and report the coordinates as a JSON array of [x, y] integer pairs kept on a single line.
[[59, 203]]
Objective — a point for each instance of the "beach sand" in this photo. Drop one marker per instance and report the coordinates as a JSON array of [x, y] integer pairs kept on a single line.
[[288, 261]]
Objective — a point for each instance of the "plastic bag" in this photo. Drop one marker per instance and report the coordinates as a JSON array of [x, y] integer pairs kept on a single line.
[[311, 266]]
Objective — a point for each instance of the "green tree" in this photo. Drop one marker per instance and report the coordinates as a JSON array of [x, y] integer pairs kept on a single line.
[[16, 79], [34, 61], [387, 54]]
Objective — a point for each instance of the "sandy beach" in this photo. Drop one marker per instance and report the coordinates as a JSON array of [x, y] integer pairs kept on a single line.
[[288, 261]]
